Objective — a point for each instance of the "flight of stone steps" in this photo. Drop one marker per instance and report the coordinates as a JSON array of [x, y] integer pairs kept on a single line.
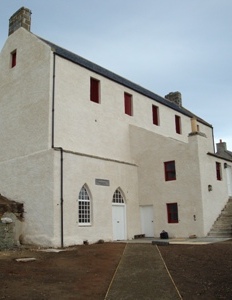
[[222, 227]]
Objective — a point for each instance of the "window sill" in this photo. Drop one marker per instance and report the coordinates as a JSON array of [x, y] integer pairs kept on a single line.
[[84, 225]]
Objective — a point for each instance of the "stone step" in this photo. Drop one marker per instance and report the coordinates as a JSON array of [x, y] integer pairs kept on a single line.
[[221, 229], [224, 231], [226, 216], [220, 234], [217, 228], [224, 219], [223, 225]]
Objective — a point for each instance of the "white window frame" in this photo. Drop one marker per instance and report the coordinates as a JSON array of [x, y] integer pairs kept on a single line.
[[118, 197], [84, 207]]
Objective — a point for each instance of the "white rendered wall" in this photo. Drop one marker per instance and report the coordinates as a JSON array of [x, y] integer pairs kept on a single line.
[[102, 129], [81, 170], [31, 175], [212, 201], [26, 164], [30, 180], [25, 90], [151, 151]]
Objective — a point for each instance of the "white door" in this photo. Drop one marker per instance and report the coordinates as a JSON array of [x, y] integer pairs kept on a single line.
[[118, 215], [147, 220], [229, 179]]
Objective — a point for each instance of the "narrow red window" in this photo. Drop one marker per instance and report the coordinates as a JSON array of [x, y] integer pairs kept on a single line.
[[155, 115], [172, 212], [128, 104], [218, 171], [13, 59], [170, 170], [94, 90], [178, 124]]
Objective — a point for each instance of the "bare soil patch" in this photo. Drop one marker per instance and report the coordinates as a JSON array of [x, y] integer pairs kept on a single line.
[[201, 271], [81, 272], [85, 272]]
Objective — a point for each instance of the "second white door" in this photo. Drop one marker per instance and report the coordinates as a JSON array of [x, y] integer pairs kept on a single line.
[[147, 220]]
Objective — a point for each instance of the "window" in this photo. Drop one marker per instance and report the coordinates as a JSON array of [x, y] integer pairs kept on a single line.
[[178, 124], [117, 197], [128, 104], [94, 90], [84, 207], [13, 59], [172, 212], [170, 170], [218, 171], [155, 115]]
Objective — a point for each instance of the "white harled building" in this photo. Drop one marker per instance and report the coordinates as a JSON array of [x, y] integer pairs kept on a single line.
[[92, 155]]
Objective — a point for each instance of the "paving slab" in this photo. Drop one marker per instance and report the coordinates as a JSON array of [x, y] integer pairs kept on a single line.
[[142, 274], [192, 241]]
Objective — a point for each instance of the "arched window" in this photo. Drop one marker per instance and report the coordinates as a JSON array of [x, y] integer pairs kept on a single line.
[[84, 207], [117, 197]]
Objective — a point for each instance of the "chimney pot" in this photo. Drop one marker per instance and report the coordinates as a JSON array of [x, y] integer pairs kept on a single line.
[[21, 18]]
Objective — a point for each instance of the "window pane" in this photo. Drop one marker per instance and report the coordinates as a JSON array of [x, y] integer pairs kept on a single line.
[[128, 104], [155, 115], [84, 207], [13, 59], [117, 197], [170, 170], [178, 124], [94, 90], [172, 212], [218, 171]]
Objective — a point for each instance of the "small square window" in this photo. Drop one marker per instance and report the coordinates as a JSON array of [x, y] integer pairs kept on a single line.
[[218, 171], [128, 104], [170, 170], [155, 115], [172, 213], [13, 59], [94, 90], [178, 124]]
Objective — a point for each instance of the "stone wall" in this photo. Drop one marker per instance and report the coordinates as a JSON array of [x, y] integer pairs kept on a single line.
[[7, 239]]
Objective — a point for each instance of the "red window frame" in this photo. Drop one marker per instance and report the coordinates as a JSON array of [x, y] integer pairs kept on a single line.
[[13, 59], [170, 170], [218, 171], [178, 124], [172, 213], [94, 90], [155, 115], [128, 104]]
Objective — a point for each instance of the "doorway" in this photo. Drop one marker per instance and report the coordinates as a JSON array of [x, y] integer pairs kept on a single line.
[[118, 216], [147, 220]]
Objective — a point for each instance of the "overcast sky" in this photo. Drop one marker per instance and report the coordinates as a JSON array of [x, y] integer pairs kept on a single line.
[[163, 45]]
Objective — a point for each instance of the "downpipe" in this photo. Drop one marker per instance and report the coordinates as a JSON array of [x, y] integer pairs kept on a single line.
[[61, 156]]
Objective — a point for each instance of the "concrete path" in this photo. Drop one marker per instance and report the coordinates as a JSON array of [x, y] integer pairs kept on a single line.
[[142, 275]]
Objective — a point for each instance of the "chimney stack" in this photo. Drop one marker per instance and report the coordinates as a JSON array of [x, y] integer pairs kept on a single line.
[[175, 97], [22, 18], [221, 147], [194, 125]]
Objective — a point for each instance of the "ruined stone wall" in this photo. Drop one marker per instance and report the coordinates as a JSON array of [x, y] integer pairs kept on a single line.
[[7, 236]]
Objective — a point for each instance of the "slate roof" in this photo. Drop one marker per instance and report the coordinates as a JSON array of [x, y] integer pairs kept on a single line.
[[118, 79]]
